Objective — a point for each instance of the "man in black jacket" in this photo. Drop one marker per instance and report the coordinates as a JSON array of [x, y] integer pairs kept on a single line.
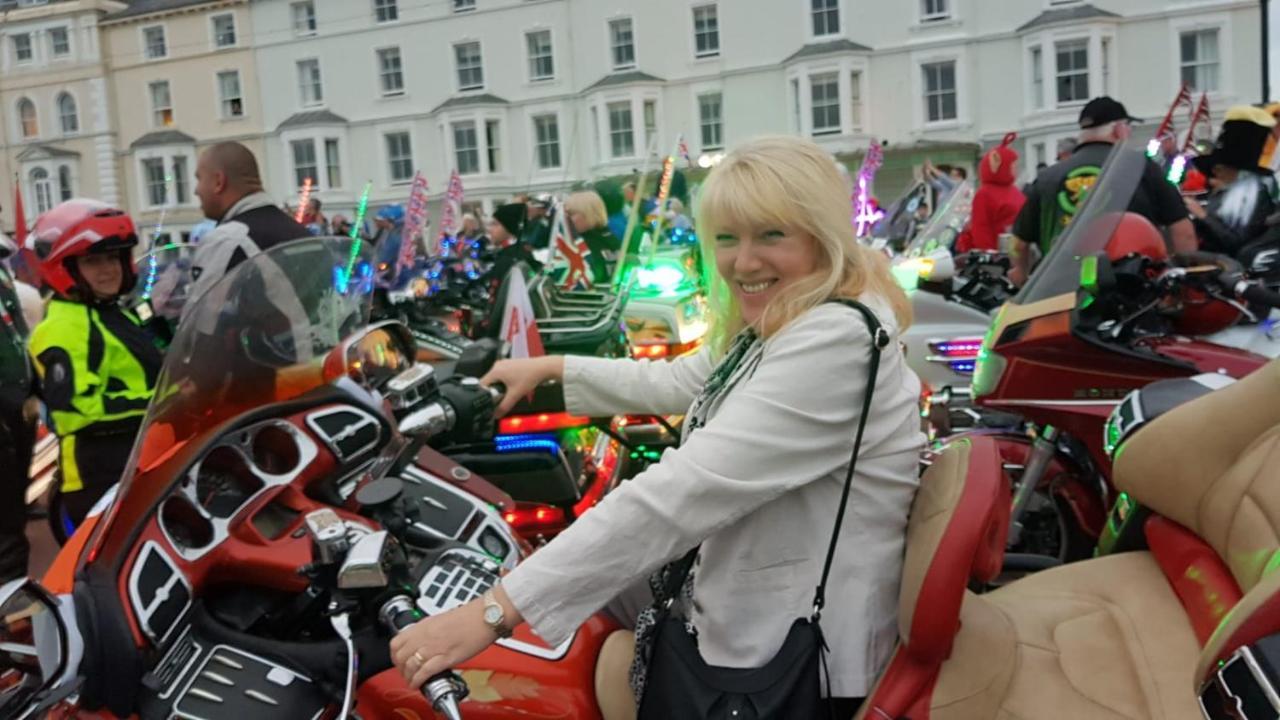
[[1243, 192], [249, 222]]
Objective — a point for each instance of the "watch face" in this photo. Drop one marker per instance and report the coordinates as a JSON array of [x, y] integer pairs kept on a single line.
[[493, 614]]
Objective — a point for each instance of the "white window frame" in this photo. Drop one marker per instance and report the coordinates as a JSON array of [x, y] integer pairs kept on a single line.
[[937, 16], [955, 90], [36, 186], [213, 31], [318, 135], [293, 18], [302, 95], [702, 120], [389, 7], [476, 124], [328, 166], [857, 108], [217, 82], [316, 149], [57, 107], [613, 57], [167, 155], [531, 59], [382, 71], [384, 136], [53, 51], [609, 108], [715, 33], [829, 79], [493, 143], [1037, 88], [457, 65], [153, 109], [1093, 61], [841, 15], [69, 191], [146, 47], [800, 97], [1226, 58], [958, 55], [31, 48], [536, 144]]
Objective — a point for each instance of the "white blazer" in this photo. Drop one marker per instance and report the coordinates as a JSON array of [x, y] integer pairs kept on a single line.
[[758, 486]]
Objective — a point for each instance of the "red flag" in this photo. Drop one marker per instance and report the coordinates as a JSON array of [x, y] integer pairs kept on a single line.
[[19, 216], [25, 264]]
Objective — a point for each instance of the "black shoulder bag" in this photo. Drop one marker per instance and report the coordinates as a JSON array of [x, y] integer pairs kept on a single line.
[[679, 684]]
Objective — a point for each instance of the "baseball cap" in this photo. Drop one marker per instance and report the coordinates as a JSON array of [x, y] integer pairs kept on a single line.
[[1102, 110]]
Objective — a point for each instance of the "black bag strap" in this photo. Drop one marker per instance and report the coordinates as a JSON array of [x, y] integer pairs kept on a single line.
[[680, 569], [879, 340]]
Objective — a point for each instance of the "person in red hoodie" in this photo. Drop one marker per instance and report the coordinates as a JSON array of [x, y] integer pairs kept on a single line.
[[997, 201]]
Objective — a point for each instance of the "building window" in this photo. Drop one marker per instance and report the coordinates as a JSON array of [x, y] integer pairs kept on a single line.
[[399, 157], [470, 70], [180, 179], [1073, 71], [706, 31], [1038, 153], [825, 90], [333, 166], [161, 104], [309, 84], [304, 161], [389, 71], [60, 42], [153, 173], [826, 17], [64, 183], [940, 91], [1200, 60], [650, 122], [710, 119], [466, 150], [622, 44], [153, 42], [1037, 77], [541, 63], [385, 11], [934, 10], [493, 144], [795, 103], [1106, 65], [855, 99], [27, 118], [229, 96], [224, 30], [22, 48], [546, 132], [464, 5], [67, 116], [622, 141], [41, 190], [304, 17]]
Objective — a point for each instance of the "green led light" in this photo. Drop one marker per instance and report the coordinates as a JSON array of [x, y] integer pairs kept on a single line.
[[1089, 273]]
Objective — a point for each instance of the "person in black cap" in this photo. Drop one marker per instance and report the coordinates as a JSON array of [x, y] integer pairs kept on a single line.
[[537, 226], [504, 239], [1056, 194], [1243, 192]]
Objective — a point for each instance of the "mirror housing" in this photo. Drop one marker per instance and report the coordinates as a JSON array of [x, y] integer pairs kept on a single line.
[[33, 647]]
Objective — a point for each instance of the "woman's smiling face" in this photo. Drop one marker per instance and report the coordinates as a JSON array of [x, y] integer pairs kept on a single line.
[[760, 262]]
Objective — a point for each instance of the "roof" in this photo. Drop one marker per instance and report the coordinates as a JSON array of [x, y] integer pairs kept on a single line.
[[622, 78], [39, 152], [826, 48], [163, 137], [1075, 13], [13, 4], [147, 7], [465, 100], [312, 117]]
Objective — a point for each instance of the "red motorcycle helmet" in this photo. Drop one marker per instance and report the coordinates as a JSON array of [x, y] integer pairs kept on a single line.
[[77, 228], [1135, 234]]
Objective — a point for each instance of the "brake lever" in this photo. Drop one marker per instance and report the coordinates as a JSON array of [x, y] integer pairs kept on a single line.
[[342, 625]]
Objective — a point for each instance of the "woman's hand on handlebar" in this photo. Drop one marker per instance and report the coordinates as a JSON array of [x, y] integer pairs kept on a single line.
[[442, 642], [521, 377]]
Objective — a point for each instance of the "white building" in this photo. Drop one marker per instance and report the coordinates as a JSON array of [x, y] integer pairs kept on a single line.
[[534, 94]]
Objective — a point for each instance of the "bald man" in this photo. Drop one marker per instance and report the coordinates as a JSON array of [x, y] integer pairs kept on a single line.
[[248, 221]]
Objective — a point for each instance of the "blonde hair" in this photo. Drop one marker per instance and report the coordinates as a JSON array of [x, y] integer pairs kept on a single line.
[[792, 185], [589, 204]]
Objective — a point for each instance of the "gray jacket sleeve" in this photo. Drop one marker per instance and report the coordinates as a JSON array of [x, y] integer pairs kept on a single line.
[[220, 250], [599, 387]]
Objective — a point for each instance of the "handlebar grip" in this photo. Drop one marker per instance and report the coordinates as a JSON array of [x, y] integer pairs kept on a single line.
[[1260, 295], [444, 690]]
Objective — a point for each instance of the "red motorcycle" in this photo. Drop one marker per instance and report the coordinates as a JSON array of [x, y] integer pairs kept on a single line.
[[1106, 312], [280, 518]]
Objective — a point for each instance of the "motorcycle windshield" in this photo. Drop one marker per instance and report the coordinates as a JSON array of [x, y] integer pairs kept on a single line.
[[897, 217], [259, 335], [945, 225], [164, 279], [1105, 203]]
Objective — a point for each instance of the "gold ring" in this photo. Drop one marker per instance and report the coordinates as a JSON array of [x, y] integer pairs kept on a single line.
[[417, 655]]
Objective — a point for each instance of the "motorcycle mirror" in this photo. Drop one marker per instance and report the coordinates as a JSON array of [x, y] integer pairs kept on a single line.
[[942, 268], [33, 646]]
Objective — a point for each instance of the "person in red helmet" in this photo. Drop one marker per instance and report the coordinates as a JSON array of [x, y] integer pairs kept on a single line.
[[997, 201], [96, 362]]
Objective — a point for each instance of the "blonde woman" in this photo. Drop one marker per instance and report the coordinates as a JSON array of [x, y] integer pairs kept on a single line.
[[762, 466], [586, 213]]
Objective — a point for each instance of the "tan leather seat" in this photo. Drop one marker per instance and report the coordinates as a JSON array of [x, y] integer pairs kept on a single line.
[[1113, 637]]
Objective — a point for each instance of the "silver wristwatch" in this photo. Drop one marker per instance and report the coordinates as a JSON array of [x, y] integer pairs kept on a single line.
[[494, 616]]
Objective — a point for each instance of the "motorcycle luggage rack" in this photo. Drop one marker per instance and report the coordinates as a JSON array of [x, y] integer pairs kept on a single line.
[[1241, 688]]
